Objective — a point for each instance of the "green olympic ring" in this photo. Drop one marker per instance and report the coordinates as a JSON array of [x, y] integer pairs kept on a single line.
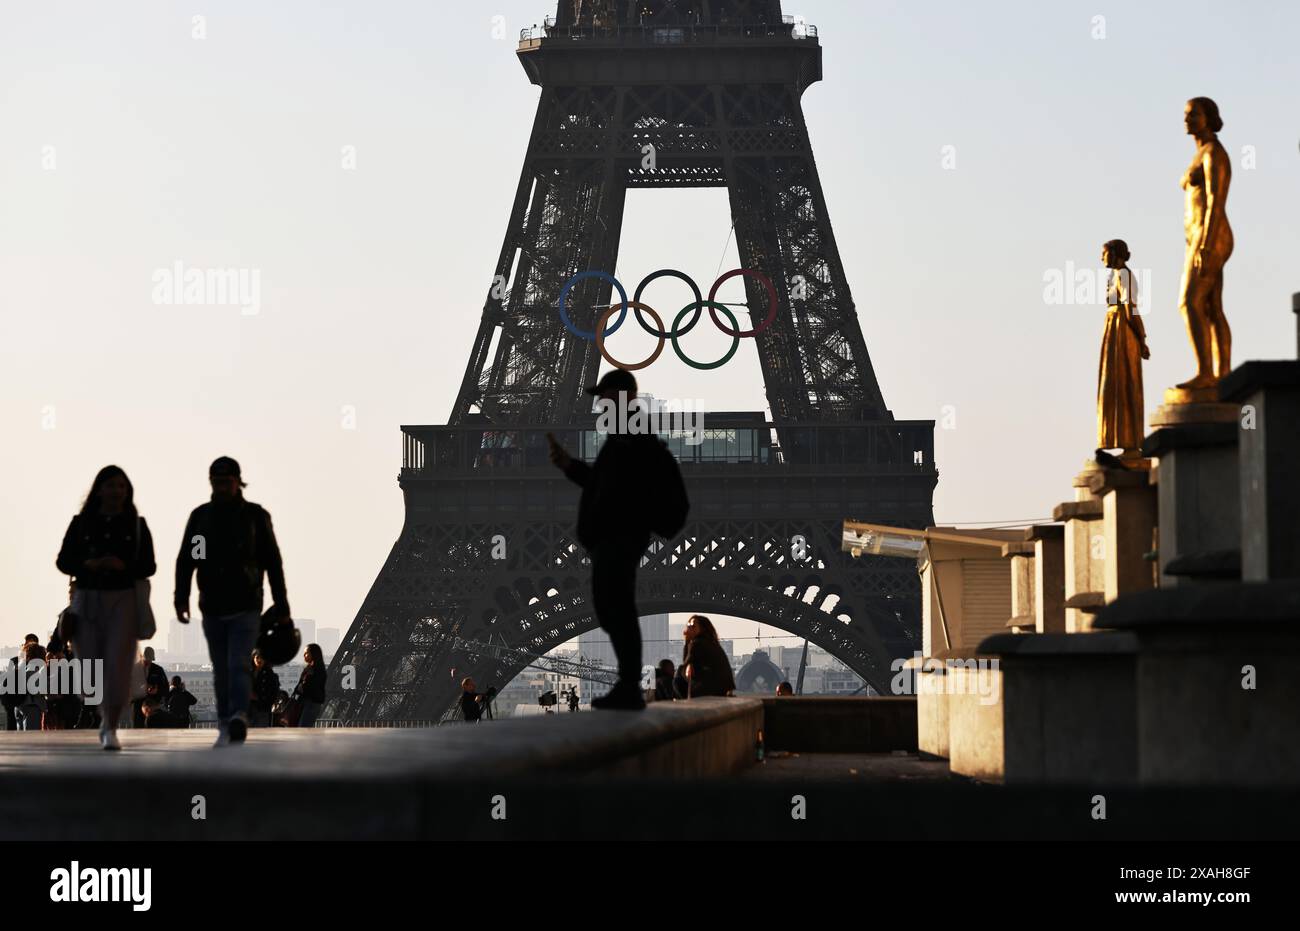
[[735, 339]]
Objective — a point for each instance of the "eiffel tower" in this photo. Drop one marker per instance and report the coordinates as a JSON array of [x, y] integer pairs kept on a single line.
[[487, 570]]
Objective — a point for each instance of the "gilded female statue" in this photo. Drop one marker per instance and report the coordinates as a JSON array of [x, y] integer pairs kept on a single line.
[[1123, 347], [1209, 244]]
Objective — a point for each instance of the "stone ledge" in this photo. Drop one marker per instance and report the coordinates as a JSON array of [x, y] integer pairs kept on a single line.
[[1064, 645], [1268, 604], [1087, 601], [1218, 564], [1194, 410], [1107, 479], [1078, 510], [595, 741], [1245, 380], [1191, 436], [1045, 532]]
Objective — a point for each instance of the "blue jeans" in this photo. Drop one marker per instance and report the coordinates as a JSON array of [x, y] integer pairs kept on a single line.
[[231, 638]]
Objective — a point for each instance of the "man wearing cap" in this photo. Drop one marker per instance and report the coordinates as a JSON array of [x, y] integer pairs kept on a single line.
[[231, 543], [619, 493]]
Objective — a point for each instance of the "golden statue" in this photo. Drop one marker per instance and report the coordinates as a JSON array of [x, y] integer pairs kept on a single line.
[[1209, 244], [1123, 347]]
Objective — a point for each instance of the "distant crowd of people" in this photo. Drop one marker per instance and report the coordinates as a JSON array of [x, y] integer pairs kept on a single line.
[[108, 552], [156, 701], [705, 671]]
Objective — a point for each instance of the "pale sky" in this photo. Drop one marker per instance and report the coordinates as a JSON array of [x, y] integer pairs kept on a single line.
[[128, 145]]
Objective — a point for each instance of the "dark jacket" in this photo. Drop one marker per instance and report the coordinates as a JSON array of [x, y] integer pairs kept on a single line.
[[91, 536], [155, 676], [311, 684], [710, 668], [239, 546], [10, 698], [266, 685], [666, 687], [619, 490], [470, 707], [179, 702]]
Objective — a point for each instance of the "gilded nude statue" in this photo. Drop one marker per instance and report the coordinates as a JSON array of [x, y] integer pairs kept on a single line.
[[1209, 245]]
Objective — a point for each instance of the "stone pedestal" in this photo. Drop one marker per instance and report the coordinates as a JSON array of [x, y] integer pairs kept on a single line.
[[1216, 682], [975, 735], [1069, 707], [1021, 558], [1198, 502], [1049, 577], [1186, 406], [1128, 523], [1268, 395], [1085, 567], [929, 682]]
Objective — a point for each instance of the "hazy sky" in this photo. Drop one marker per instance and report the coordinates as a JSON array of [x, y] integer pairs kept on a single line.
[[127, 145]]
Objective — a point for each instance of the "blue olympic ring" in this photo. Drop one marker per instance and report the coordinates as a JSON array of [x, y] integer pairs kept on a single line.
[[589, 335]]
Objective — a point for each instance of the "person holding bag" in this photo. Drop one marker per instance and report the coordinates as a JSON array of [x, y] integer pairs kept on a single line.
[[230, 544], [108, 551]]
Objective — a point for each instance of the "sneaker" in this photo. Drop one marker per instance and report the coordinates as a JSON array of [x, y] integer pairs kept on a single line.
[[238, 729], [620, 698], [223, 738], [108, 740]]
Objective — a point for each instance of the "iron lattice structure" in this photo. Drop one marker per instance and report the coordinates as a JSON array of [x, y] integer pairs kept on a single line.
[[487, 553]]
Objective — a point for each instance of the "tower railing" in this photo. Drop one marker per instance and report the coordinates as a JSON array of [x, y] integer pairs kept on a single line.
[[893, 447], [668, 34]]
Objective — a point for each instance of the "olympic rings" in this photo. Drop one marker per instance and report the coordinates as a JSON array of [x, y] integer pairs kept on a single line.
[[564, 296], [638, 307], [735, 340], [600, 334], [771, 301]]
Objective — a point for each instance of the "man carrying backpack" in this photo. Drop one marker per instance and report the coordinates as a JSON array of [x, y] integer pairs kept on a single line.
[[633, 488]]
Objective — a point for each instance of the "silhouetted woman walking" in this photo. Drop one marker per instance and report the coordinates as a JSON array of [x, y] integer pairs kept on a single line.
[[107, 550]]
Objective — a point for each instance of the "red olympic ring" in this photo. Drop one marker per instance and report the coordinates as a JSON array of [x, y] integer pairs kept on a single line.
[[771, 302]]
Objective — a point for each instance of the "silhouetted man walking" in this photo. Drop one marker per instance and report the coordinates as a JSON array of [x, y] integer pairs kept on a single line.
[[634, 487], [231, 544]]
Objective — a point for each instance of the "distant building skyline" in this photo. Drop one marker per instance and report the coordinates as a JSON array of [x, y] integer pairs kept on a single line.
[[595, 647]]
